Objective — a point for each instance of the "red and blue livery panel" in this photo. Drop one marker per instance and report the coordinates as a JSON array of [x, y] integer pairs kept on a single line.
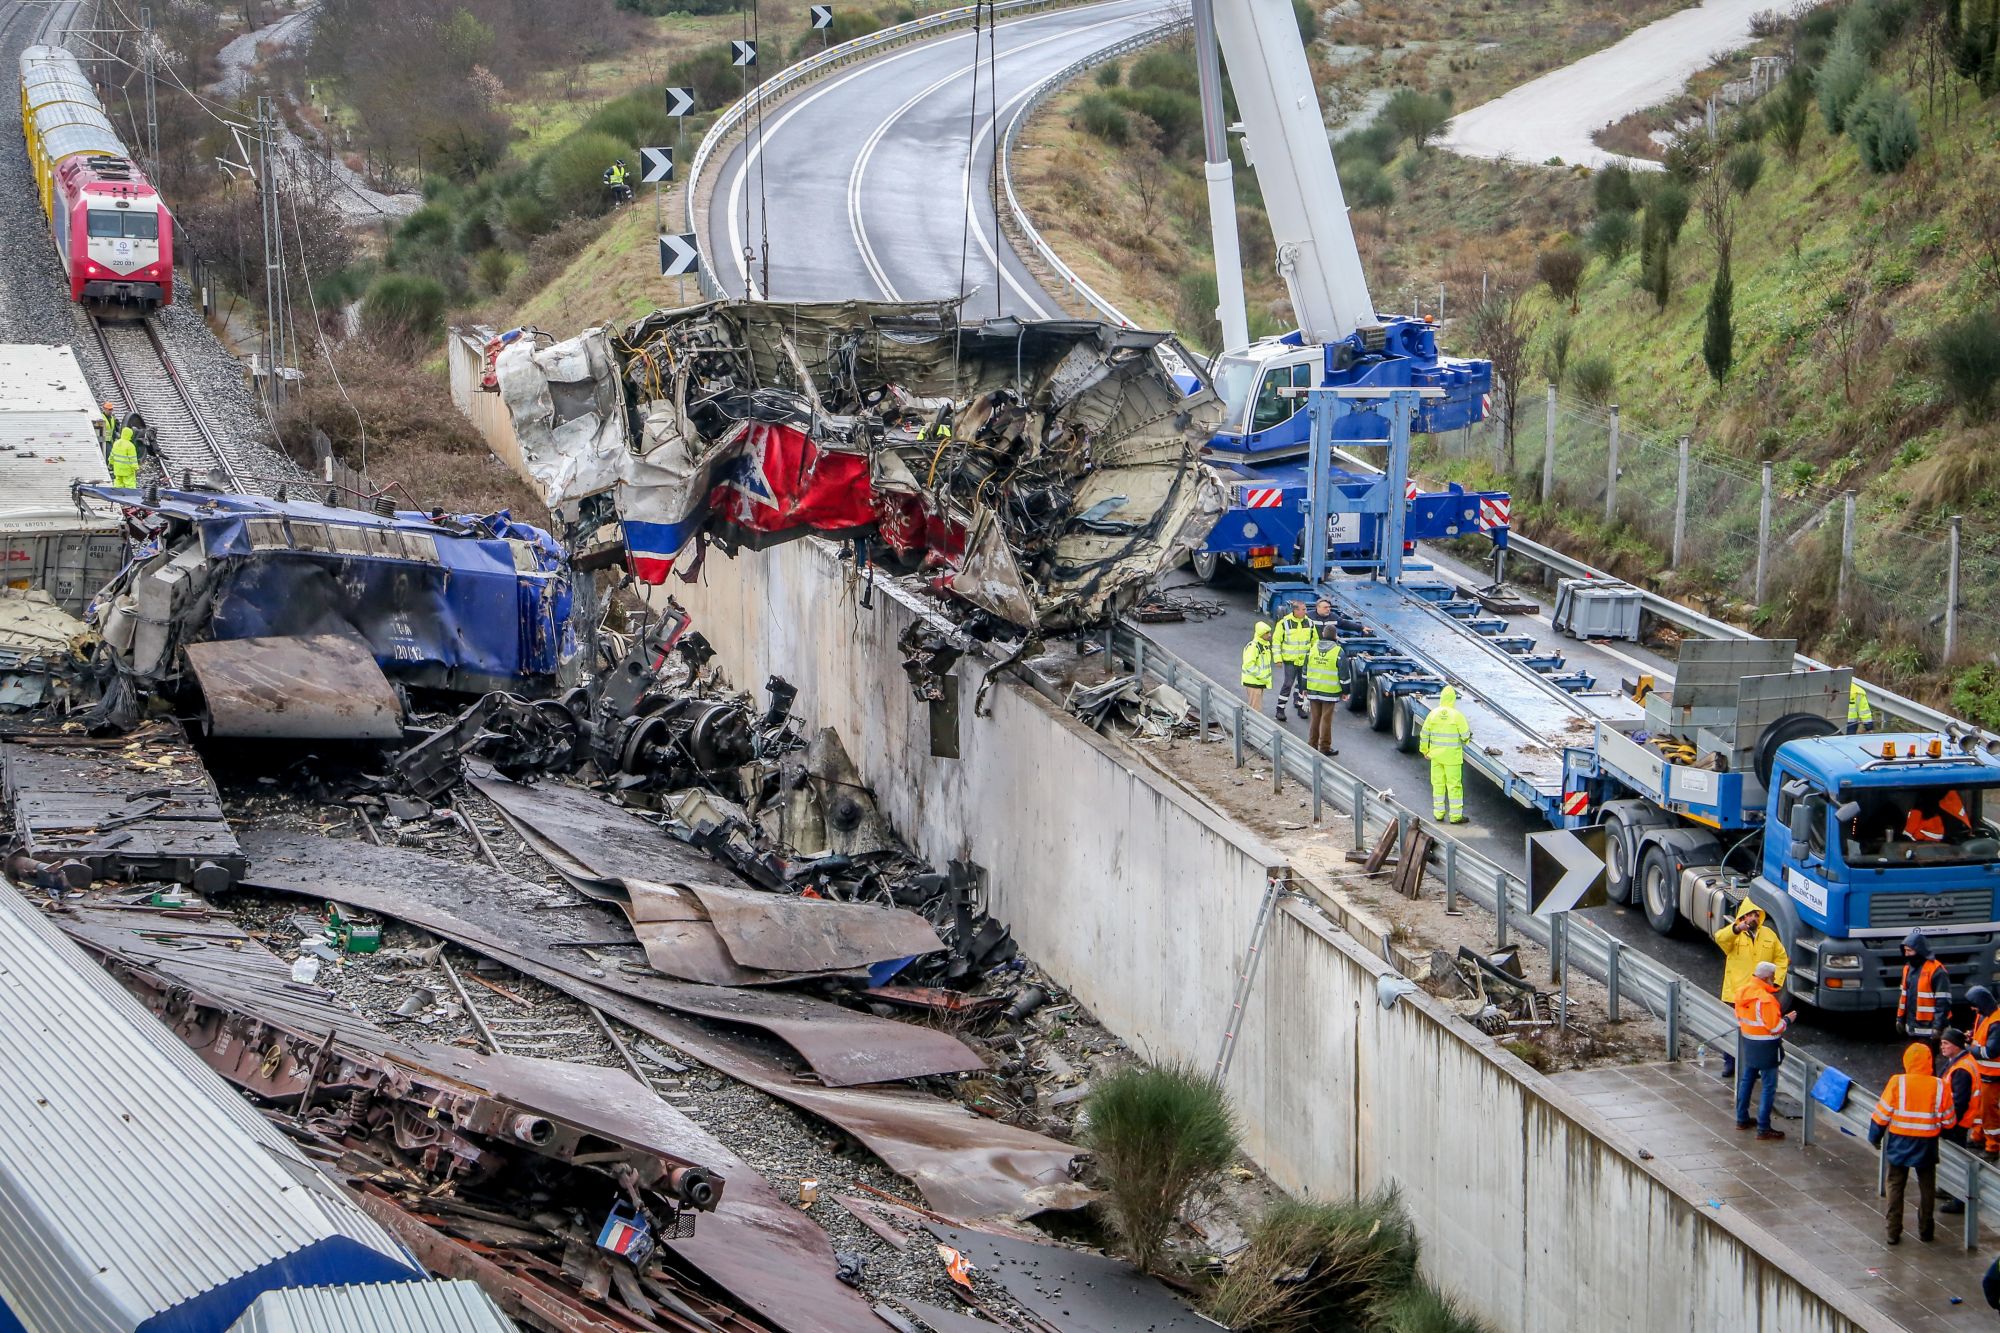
[[112, 233]]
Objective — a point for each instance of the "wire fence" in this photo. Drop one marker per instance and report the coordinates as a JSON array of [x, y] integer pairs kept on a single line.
[[1775, 535]]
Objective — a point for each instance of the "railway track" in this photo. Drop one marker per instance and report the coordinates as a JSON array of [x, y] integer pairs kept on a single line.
[[149, 383]]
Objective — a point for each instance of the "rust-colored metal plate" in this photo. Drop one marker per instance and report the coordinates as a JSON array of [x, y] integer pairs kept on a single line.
[[492, 913], [779, 932], [312, 687]]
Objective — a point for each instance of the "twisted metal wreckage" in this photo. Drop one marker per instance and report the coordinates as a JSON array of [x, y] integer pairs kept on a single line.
[[1039, 472]]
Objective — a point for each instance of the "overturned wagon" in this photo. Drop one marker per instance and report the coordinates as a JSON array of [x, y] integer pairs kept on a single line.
[[1043, 472]]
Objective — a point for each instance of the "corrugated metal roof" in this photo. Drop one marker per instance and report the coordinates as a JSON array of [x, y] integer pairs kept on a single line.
[[133, 1179], [385, 1307], [63, 106], [48, 431]]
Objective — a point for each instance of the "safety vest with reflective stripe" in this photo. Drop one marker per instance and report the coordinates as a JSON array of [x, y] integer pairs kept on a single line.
[[1857, 704], [124, 460], [1984, 1031], [1257, 663], [1757, 1014], [108, 427], [1933, 994], [1294, 639], [616, 175], [1917, 1106], [1972, 1116], [1323, 670], [1446, 732]]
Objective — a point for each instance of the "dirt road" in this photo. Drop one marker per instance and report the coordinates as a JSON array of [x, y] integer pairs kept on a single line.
[[1555, 115]]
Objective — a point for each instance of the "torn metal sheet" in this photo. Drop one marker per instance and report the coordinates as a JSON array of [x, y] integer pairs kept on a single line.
[[610, 842], [1074, 1290], [1050, 468], [493, 914], [32, 624], [965, 1165], [937, 1319], [138, 806], [777, 932], [306, 687]]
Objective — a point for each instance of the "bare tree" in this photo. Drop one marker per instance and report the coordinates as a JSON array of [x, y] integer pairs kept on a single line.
[[1501, 328], [1145, 171]]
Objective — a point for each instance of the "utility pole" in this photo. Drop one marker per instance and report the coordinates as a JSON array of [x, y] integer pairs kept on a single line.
[[275, 331], [1229, 307], [148, 61]]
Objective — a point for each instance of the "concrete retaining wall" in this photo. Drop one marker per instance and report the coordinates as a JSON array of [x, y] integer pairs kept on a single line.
[[465, 357], [1140, 900]]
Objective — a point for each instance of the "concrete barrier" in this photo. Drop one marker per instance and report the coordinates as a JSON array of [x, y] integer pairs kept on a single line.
[[465, 358], [1141, 900]]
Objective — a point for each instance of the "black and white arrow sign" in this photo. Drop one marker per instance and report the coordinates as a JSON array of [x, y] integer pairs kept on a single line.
[[656, 164], [743, 53], [822, 16], [680, 101], [1566, 870], [679, 256]]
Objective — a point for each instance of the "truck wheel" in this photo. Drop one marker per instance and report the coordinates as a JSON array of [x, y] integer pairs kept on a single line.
[[1659, 895], [1620, 867], [1208, 566], [1354, 687], [1381, 705], [1405, 729]]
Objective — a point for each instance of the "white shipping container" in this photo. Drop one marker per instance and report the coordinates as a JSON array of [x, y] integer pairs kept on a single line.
[[49, 440]]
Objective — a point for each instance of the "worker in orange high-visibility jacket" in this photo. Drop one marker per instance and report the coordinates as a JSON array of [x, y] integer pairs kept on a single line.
[[1967, 1086], [1760, 1030], [1925, 996], [1913, 1112], [1984, 1043]]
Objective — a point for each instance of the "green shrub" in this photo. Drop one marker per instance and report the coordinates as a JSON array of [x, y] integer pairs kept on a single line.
[[1614, 189], [1883, 126], [1377, 142], [1318, 1266], [1744, 167], [571, 179], [1656, 260], [1166, 67], [475, 232], [1611, 235], [1555, 353], [716, 82], [1839, 81], [1194, 308], [638, 120], [1177, 114], [432, 223], [1418, 117], [1366, 185], [493, 270], [1561, 267], [526, 215], [1975, 694], [403, 309], [1307, 17], [1159, 1136], [1102, 115], [1965, 355], [1787, 118], [1107, 74], [1422, 1308], [1593, 379], [846, 26], [1718, 339], [1669, 202]]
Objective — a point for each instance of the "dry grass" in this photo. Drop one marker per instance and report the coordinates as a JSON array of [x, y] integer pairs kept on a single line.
[[416, 439]]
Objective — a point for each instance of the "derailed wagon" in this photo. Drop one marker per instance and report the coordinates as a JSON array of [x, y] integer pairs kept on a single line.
[[1043, 472]]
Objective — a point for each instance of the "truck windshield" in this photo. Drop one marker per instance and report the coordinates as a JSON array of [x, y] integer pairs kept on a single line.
[[1235, 377], [1924, 826]]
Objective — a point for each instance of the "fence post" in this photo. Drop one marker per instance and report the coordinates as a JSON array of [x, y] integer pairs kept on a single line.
[[1951, 592], [1360, 815], [1674, 1019], [1277, 759], [1549, 448], [1611, 473], [1681, 503], [1764, 534], [1236, 734], [1500, 911], [1139, 661], [1846, 550], [1558, 945], [1451, 878], [1318, 785], [1808, 1075], [1204, 710]]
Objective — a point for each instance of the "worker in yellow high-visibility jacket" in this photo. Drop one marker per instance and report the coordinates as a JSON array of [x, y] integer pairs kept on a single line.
[[1257, 663], [1445, 735], [124, 460], [1860, 716]]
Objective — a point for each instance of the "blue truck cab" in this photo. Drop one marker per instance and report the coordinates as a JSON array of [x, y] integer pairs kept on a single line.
[[1850, 863], [1260, 447]]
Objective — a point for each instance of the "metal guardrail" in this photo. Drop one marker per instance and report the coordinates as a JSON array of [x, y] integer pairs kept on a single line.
[[1042, 92], [1690, 1013], [802, 72]]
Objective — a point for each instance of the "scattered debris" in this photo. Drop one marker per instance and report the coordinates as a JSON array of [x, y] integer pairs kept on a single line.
[[1074, 1290], [1154, 713], [1043, 472]]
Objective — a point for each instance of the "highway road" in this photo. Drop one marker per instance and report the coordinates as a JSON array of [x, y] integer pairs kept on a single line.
[[865, 175], [862, 179]]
